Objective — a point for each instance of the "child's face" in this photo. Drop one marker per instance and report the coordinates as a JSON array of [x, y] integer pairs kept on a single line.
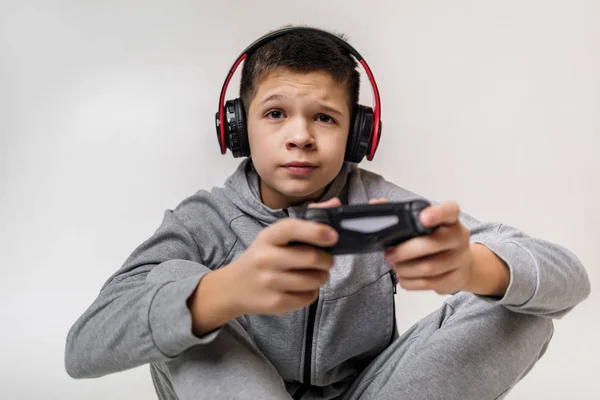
[[297, 117]]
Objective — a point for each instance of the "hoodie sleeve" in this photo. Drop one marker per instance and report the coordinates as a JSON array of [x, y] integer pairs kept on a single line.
[[141, 315], [546, 279]]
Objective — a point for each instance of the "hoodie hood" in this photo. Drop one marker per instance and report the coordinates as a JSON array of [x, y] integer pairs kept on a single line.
[[243, 189]]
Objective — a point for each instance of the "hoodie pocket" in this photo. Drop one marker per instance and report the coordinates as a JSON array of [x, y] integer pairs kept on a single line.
[[353, 330]]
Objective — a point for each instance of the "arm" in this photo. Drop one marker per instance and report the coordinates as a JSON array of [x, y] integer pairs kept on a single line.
[[490, 276], [545, 279], [149, 310], [140, 315], [211, 305]]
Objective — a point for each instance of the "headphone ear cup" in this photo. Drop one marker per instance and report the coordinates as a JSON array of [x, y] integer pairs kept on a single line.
[[236, 138], [360, 134], [242, 129]]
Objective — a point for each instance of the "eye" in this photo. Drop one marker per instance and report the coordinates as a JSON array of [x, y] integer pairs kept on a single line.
[[326, 119], [274, 114]]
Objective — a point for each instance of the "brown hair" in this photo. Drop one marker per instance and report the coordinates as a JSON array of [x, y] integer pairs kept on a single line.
[[300, 51]]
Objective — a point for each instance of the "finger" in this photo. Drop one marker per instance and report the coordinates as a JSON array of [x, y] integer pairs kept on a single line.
[[289, 230], [428, 267], [333, 202], [440, 240], [442, 284], [297, 300], [302, 258], [296, 280], [378, 201], [443, 214]]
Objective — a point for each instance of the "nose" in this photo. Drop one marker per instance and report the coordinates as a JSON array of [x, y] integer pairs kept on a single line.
[[300, 136]]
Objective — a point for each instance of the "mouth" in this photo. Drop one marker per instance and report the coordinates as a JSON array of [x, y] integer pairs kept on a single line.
[[300, 167]]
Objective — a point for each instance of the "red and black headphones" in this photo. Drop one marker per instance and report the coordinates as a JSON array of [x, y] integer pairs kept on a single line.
[[365, 127]]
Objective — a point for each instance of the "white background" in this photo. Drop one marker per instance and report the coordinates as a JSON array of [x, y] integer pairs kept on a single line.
[[106, 120]]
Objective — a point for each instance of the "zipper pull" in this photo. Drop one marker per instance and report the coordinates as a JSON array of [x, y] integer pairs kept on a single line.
[[394, 280]]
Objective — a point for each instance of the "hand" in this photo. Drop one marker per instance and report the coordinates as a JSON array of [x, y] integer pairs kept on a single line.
[[441, 261], [271, 277]]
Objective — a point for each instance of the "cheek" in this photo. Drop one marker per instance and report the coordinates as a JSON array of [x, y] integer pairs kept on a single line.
[[257, 137], [334, 145]]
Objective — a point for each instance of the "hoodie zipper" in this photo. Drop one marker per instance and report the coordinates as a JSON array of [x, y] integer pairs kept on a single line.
[[394, 280], [394, 291], [310, 328]]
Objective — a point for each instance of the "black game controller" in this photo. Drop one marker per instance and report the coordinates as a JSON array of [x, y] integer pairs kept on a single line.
[[366, 228]]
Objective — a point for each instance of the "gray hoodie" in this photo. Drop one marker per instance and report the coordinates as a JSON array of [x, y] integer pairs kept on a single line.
[[140, 315]]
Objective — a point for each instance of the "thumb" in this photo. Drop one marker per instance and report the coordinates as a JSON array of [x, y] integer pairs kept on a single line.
[[378, 201], [334, 202]]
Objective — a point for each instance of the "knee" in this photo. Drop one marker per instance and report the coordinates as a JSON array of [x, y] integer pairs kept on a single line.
[[500, 346], [523, 338], [527, 330], [517, 333]]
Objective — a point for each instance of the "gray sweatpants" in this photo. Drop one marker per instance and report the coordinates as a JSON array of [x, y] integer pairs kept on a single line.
[[468, 349]]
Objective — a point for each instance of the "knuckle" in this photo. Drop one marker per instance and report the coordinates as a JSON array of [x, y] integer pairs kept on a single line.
[[260, 258], [285, 228], [427, 268], [268, 279], [281, 227]]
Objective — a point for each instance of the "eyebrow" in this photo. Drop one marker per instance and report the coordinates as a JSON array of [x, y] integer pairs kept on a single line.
[[325, 106], [276, 96]]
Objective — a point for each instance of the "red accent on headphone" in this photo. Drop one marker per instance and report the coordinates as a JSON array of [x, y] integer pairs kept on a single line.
[[376, 112], [222, 102]]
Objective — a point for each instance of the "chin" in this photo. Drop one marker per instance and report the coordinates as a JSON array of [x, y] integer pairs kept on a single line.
[[299, 189]]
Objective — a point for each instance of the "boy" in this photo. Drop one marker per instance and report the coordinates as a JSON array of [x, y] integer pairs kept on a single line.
[[221, 307]]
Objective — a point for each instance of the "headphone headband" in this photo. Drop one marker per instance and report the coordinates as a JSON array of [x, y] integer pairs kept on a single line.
[[278, 33]]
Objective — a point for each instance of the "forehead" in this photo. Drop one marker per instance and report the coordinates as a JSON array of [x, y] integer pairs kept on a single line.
[[316, 85]]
